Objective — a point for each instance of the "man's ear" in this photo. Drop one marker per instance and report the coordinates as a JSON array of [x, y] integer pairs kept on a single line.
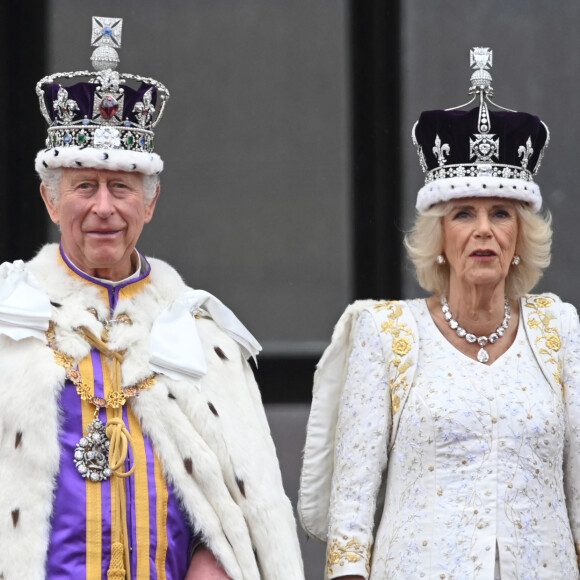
[[51, 205], [150, 207]]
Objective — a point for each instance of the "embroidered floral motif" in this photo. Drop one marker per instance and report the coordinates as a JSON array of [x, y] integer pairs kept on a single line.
[[403, 339], [540, 320], [352, 551]]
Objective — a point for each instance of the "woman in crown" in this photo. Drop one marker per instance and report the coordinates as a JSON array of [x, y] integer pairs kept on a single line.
[[444, 436]]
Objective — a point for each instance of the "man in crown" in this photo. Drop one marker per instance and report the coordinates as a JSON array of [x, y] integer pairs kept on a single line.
[[133, 441]]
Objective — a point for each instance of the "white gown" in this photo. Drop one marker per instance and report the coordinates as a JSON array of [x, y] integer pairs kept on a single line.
[[477, 475]]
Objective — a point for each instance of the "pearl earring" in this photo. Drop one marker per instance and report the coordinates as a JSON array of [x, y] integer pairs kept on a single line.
[[516, 260], [441, 259]]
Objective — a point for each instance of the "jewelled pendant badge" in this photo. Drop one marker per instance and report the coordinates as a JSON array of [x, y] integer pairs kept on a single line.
[[91, 455]]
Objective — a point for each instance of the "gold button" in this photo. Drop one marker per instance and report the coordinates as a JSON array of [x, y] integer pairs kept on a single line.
[[475, 512], [494, 420], [425, 542], [510, 484], [530, 416], [431, 468]]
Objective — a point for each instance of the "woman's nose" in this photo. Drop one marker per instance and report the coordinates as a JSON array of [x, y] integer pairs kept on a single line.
[[483, 226]]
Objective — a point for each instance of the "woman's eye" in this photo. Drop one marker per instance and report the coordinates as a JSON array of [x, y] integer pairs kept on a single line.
[[502, 213], [461, 214]]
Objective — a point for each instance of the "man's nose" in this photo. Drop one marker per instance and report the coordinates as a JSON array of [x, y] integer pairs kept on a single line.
[[103, 205]]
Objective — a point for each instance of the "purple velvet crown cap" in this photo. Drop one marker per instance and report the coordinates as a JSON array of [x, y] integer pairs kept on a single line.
[[456, 128], [461, 160], [86, 95]]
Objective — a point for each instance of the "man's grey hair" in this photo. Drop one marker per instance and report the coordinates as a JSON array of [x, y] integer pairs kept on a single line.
[[52, 178]]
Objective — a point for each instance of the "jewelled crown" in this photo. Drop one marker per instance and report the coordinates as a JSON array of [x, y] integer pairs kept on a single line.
[[107, 119], [479, 152]]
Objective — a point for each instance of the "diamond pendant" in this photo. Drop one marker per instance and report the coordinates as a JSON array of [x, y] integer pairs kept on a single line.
[[91, 455], [482, 355]]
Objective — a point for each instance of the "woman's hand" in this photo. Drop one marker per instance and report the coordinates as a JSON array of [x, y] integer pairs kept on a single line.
[[204, 566]]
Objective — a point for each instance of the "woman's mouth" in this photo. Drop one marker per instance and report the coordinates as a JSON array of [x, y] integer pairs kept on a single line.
[[483, 254]]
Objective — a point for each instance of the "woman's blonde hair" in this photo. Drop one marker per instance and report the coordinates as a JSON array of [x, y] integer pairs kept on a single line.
[[425, 242]]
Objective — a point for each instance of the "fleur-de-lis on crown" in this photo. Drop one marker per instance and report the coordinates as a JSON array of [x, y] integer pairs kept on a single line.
[[144, 109], [66, 108], [440, 151], [525, 152]]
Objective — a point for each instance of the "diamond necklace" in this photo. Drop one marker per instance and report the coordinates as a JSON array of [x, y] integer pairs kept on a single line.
[[482, 355]]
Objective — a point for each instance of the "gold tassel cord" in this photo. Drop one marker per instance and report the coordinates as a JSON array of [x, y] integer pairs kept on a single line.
[[120, 441]]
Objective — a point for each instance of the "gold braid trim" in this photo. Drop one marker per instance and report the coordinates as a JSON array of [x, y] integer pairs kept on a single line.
[[120, 439], [116, 398]]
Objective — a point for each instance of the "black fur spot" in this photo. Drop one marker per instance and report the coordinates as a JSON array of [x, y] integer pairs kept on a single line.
[[55, 304], [15, 516], [133, 166], [105, 155], [188, 465], [212, 409], [78, 163], [56, 152], [18, 439], [44, 163], [171, 395], [241, 486], [220, 353]]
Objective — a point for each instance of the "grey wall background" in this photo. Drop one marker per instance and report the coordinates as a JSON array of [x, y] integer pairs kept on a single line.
[[255, 204]]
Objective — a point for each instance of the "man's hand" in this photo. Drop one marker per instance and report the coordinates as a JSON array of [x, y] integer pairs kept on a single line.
[[204, 566]]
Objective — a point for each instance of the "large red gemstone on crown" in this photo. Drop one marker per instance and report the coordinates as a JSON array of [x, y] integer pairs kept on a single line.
[[108, 107]]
